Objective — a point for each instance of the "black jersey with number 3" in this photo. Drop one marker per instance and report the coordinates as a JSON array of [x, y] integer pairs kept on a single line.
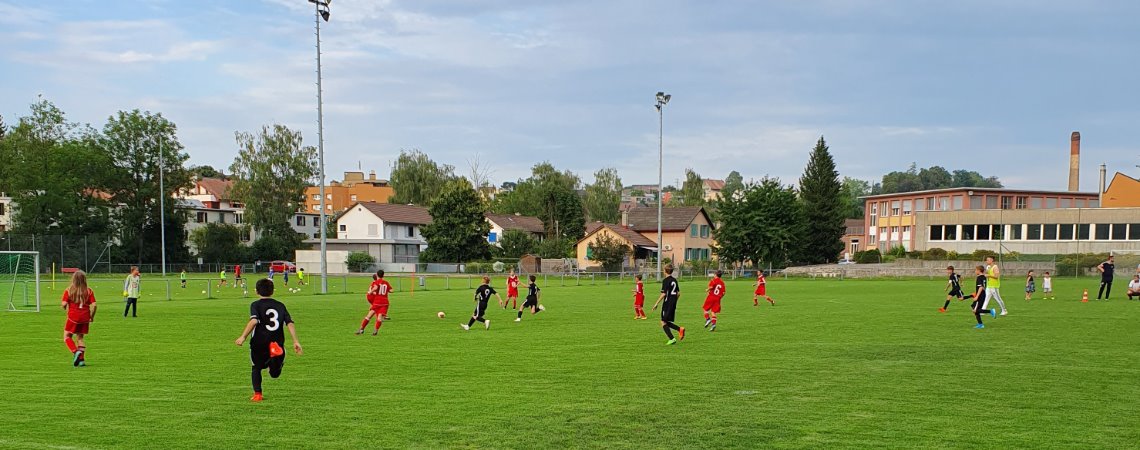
[[272, 317]]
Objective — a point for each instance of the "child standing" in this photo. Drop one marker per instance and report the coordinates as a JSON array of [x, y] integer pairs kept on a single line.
[[79, 302], [670, 293], [266, 317], [639, 299], [512, 290], [182, 277], [131, 292], [532, 296], [1030, 286], [1047, 286]]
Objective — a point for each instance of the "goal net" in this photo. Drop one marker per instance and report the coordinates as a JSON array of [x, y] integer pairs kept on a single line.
[[1127, 264], [20, 281]]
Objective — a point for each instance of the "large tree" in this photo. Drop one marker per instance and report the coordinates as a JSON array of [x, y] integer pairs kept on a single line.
[[934, 177], [850, 192], [136, 142], [603, 197], [516, 243], [732, 183], [823, 209], [56, 173], [271, 171], [763, 223], [458, 231], [610, 252], [418, 180], [692, 190], [217, 242], [550, 195]]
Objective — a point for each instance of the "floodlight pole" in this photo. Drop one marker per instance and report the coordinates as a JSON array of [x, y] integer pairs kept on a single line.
[[162, 205], [662, 100], [317, 4]]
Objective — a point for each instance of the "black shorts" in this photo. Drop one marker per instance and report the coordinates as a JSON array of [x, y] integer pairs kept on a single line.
[[259, 357], [531, 301], [669, 310], [956, 293], [480, 309]]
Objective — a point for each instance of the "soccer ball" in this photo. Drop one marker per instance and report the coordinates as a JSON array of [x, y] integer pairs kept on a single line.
[[245, 292], [203, 292], [441, 314]]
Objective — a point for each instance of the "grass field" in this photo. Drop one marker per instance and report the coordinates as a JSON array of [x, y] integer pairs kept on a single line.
[[857, 364]]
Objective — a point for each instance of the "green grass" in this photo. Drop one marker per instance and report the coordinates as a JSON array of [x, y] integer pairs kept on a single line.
[[857, 364]]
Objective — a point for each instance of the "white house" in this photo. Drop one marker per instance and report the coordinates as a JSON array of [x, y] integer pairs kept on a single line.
[[388, 232], [209, 201], [501, 223], [5, 212]]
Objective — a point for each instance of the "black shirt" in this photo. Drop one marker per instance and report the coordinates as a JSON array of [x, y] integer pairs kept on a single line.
[[271, 317], [670, 288], [484, 293], [955, 282], [1109, 268], [532, 290], [980, 282]]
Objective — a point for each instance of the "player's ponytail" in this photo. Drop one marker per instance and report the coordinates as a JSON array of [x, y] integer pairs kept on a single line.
[[77, 291]]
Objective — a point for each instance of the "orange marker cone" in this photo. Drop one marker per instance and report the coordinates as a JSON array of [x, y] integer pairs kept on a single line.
[[1085, 298]]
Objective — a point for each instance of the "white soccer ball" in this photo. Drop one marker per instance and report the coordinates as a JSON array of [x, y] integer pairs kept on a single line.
[[440, 314], [203, 292], [245, 292]]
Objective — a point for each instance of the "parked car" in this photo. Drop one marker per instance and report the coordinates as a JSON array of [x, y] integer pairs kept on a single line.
[[282, 266]]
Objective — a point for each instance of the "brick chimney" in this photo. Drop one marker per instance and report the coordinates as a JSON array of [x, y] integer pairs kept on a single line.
[[625, 219], [1075, 162]]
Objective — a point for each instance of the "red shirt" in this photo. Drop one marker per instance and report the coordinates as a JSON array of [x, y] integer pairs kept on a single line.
[[716, 288], [237, 271], [512, 284], [640, 290], [760, 279], [378, 292], [76, 312]]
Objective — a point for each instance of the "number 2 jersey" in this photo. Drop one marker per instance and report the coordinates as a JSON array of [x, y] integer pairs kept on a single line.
[[272, 317]]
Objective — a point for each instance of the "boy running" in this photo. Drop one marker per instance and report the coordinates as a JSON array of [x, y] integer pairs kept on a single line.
[[300, 276], [237, 276], [761, 289], [1047, 286], [512, 290], [79, 302], [182, 277], [222, 278], [953, 289], [482, 296], [131, 292], [532, 296], [378, 302], [712, 301], [1030, 286], [980, 291], [639, 299], [670, 293], [993, 284], [266, 316]]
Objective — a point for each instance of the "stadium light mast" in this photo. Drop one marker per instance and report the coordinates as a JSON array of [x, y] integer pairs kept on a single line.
[[162, 205], [321, 8], [662, 100]]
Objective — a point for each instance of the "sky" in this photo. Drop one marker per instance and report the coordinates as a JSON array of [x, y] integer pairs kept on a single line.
[[995, 86]]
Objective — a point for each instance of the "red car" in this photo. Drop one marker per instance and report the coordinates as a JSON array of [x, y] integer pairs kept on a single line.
[[282, 266]]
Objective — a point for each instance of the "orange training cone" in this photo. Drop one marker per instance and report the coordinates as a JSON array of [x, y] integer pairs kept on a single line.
[[1085, 298]]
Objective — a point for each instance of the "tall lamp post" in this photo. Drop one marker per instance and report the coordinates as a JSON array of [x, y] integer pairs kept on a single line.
[[662, 100], [322, 12], [162, 204]]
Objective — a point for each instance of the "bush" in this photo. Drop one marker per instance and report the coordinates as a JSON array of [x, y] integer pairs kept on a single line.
[[897, 251], [359, 261], [953, 255], [936, 254], [872, 256], [914, 255], [478, 267], [982, 254]]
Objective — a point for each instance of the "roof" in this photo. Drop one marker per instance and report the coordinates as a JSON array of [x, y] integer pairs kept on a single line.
[[411, 214], [217, 187], [672, 219], [715, 185], [517, 222], [633, 237], [975, 189]]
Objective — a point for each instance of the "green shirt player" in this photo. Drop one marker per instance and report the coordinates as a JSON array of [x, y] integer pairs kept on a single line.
[[993, 284], [182, 277]]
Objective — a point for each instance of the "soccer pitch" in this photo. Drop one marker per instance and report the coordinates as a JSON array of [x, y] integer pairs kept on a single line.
[[858, 364]]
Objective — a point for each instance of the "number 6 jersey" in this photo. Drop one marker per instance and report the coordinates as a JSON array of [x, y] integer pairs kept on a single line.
[[271, 317]]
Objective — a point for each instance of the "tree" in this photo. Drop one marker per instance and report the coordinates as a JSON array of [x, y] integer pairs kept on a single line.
[[849, 192], [692, 190], [271, 171], [205, 171], [56, 173], [359, 261], [556, 248], [824, 212], [135, 143], [732, 183], [935, 177], [603, 197], [763, 223], [609, 251], [516, 243], [480, 173], [551, 196], [417, 180], [216, 242], [458, 231]]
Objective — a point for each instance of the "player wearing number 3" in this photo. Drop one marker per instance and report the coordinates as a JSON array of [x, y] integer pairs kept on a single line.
[[712, 301], [378, 300], [267, 317]]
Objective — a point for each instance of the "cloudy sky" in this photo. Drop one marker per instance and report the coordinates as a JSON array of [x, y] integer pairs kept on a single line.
[[990, 85]]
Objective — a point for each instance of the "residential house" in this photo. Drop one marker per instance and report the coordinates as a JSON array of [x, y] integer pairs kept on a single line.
[[501, 223], [686, 231], [5, 211], [209, 201], [340, 195], [1123, 192], [852, 238], [388, 232], [642, 247], [713, 188]]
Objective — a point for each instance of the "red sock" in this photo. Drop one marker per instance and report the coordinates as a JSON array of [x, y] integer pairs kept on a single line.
[[378, 323], [706, 316], [714, 320], [364, 324], [71, 345]]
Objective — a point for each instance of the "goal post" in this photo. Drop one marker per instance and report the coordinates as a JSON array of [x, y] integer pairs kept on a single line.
[[1127, 264], [20, 281]]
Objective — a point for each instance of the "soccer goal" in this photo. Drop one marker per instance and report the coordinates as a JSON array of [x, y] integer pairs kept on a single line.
[[20, 280], [1127, 264]]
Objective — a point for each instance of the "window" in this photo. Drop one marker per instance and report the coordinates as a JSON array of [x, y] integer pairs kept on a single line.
[[907, 207], [895, 208], [299, 220], [373, 230], [316, 197], [221, 217], [958, 202], [705, 231], [411, 231], [976, 202], [1006, 202], [894, 230], [1094, 203], [1, 209], [1021, 202], [991, 202], [201, 217], [951, 233], [935, 233], [967, 232], [492, 237], [1101, 232], [1118, 231], [1015, 232], [1050, 203], [883, 207], [1134, 231], [344, 228], [983, 233], [1066, 233], [317, 221], [693, 230], [1050, 231], [874, 210], [352, 198], [920, 204], [943, 203], [327, 196], [244, 235], [239, 218], [316, 207], [316, 235], [1035, 203], [328, 207], [1083, 231], [1066, 203], [1034, 232]]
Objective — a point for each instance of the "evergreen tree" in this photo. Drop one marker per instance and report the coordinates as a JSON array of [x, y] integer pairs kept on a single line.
[[824, 211], [458, 231]]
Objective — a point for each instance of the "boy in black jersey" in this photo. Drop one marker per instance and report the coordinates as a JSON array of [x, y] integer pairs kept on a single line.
[[980, 297], [532, 294], [482, 296], [953, 289], [670, 293], [267, 317]]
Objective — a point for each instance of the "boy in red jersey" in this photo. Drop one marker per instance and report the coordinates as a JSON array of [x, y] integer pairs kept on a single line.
[[238, 281], [378, 299], [512, 290], [639, 299], [712, 301], [79, 302], [761, 289]]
